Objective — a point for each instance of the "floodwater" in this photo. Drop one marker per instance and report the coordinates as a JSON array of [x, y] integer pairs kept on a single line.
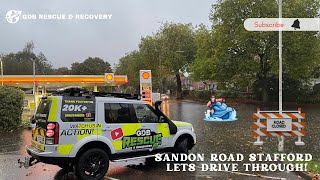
[[223, 137]]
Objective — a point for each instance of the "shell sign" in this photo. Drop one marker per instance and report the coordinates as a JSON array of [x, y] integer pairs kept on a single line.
[[146, 75], [109, 77], [146, 86]]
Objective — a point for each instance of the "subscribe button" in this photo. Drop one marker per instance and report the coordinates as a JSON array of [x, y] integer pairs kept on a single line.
[[283, 24]]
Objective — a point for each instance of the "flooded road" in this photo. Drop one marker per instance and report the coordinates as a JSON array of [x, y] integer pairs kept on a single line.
[[224, 137]]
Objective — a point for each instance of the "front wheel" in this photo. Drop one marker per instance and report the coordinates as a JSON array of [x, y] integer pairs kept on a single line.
[[66, 167], [92, 164], [182, 146]]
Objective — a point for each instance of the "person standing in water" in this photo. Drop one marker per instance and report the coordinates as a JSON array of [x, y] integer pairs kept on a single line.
[[212, 102]]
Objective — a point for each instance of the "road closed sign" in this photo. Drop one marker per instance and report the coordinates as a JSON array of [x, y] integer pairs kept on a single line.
[[279, 124]]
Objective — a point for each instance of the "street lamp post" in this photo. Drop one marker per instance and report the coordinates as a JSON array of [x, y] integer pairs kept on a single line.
[[1, 63], [160, 69], [178, 52], [34, 83]]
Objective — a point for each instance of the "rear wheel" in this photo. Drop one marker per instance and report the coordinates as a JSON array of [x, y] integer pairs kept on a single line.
[[182, 146], [92, 164]]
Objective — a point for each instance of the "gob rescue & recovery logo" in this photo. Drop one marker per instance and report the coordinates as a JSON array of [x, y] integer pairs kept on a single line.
[[13, 16], [144, 138]]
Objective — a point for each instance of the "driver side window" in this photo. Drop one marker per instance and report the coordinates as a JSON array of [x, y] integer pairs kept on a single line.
[[145, 114]]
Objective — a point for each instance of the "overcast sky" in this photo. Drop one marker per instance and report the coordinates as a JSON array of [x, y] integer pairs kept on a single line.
[[66, 41]]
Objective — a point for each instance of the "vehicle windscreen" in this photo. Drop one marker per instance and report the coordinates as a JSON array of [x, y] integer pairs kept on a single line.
[[42, 113]]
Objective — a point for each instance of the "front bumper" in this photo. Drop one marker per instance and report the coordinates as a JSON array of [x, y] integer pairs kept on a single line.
[[194, 136]]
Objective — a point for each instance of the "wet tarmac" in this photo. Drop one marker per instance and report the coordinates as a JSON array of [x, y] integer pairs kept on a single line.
[[224, 137]]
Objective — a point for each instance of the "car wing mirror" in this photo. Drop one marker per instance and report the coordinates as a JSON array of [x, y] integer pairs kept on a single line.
[[157, 104], [162, 119]]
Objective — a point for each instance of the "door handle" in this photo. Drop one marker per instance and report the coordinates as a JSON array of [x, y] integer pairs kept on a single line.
[[106, 129]]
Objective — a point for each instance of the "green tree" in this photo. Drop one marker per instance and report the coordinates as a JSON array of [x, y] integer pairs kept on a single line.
[[204, 64], [20, 63], [245, 58], [61, 71], [177, 49], [130, 66], [91, 66], [168, 52], [150, 48]]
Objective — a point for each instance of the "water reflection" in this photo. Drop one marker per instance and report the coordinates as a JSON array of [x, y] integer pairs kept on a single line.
[[165, 108]]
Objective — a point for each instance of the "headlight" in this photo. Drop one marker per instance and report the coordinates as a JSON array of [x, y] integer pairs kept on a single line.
[[192, 129]]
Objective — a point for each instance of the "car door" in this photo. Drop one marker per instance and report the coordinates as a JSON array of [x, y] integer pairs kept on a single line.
[[119, 126], [156, 131]]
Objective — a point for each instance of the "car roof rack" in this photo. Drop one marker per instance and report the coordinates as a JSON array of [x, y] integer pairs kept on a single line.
[[70, 91], [118, 95], [79, 91]]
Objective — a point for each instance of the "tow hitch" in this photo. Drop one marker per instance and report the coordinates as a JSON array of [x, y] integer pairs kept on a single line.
[[28, 161]]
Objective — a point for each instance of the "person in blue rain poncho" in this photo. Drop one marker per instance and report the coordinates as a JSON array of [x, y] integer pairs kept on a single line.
[[212, 102]]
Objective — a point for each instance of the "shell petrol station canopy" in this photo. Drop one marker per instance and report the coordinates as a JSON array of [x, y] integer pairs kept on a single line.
[[26, 81]]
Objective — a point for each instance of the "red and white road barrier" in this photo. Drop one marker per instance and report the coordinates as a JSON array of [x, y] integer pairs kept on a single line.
[[290, 133], [271, 123], [279, 115]]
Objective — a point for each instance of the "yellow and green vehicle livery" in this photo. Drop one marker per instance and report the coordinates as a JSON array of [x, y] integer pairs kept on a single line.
[[71, 128]]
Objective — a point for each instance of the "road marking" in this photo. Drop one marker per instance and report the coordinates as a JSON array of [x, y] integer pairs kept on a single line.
[[255, 175], [111, 178]]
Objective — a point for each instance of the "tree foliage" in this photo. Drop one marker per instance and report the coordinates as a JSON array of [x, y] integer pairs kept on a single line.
[[62, 71], [130, 66], [244, 58], [177, 44], [11, 107], [168, 52], [91, 66], [204, 64], [177, 49], [20, 63]]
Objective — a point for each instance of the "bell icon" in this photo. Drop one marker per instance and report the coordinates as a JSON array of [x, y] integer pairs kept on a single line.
[[296, 24]]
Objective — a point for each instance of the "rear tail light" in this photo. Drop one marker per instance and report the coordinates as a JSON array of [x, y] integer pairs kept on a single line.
[[56, 134], [49, 133], [52, 133], [50, 126]]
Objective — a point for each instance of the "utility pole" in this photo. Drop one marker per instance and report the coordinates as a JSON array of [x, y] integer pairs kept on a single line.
[[280, 138]]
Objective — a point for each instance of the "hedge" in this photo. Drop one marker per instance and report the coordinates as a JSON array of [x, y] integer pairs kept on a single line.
[[11, 107], [205, 94]]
